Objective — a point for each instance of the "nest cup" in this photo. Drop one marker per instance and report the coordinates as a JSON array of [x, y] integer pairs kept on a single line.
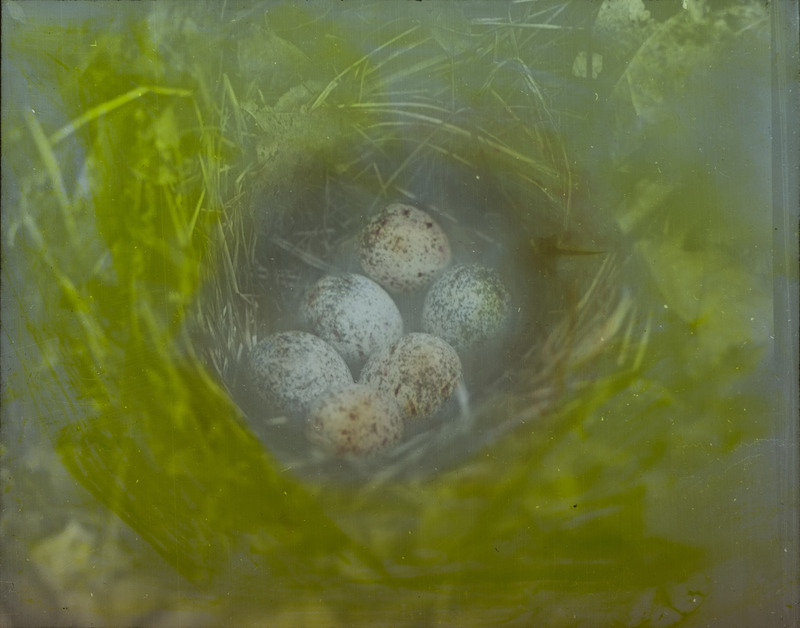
[[507, 204]]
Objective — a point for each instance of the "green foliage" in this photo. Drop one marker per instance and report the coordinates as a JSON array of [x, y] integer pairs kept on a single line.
[[117, 262], [190, 479]]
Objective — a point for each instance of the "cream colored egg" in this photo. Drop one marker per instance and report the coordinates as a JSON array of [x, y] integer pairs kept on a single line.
[[357, 420], [420, 371], [292, 369], [403, 248], [353, 314]]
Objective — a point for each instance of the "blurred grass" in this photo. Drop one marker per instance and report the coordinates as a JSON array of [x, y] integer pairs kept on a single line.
[[116, 232], [161, 444]]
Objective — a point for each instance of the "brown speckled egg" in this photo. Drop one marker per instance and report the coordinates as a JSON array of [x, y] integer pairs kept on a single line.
[[403, 248], [352, 313], [420, 371], [469, 307], [356, 420], [292, 369]]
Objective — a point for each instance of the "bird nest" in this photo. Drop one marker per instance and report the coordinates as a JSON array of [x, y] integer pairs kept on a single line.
[[491, 169]]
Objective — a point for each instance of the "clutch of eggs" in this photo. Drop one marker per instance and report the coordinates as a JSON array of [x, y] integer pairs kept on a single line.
[[355, 322]]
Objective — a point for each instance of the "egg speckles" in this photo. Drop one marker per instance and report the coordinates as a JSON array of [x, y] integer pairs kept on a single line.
[[356, 420], [403, 248], [469, 307], [292, 369], [420, 371], [352, 313]]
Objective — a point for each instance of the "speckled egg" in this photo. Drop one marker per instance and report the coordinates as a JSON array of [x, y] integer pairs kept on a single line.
[[403, 248], [420, 371], [356, 420], [468, 306], [292, 369], [353, 314]]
